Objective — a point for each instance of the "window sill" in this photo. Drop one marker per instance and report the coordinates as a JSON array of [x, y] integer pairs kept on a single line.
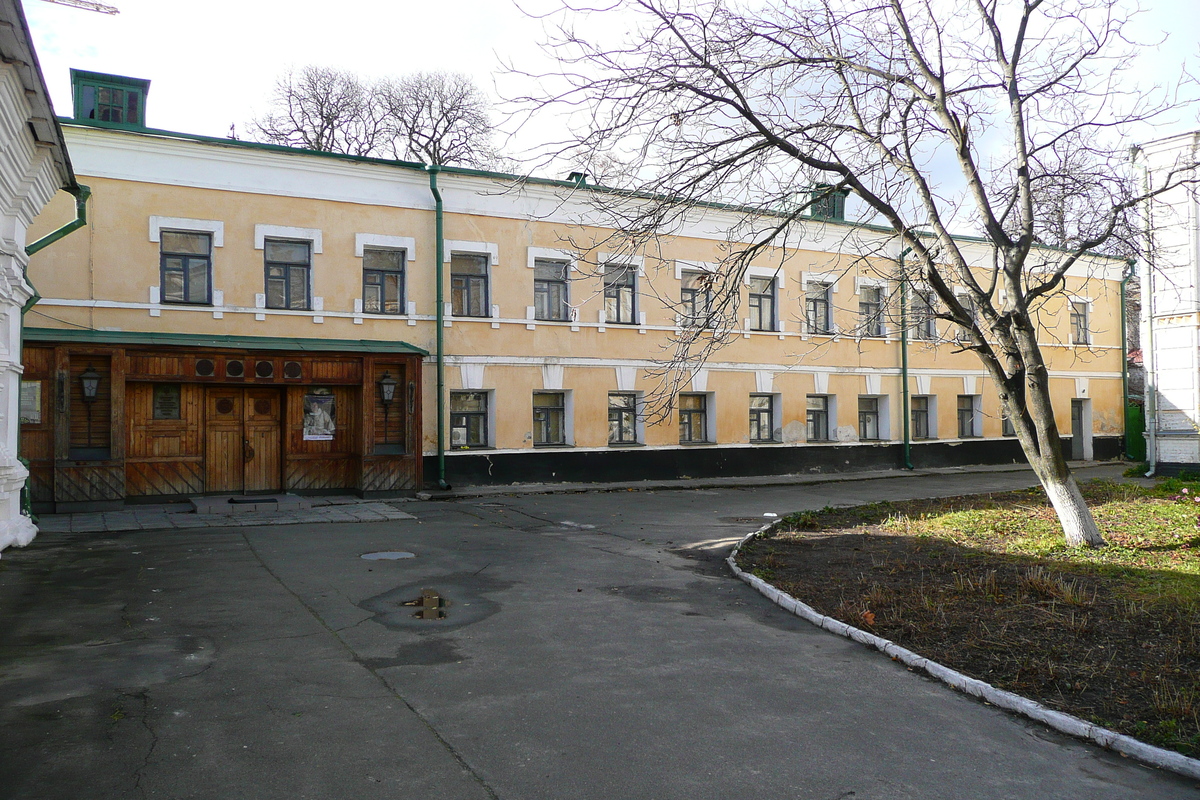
[[766, 441], [563, 446], [205, 304], [696, 444], [623, 445]]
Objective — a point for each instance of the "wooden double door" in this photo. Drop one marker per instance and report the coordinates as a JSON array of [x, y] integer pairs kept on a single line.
[[243, 439]]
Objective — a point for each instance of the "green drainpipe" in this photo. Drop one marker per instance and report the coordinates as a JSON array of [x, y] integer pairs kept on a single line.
[[81, 194], [904, 393], [434, 169], [1130, 264]]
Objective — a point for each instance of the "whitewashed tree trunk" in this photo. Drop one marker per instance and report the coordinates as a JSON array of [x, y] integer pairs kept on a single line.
[[1079, 526]]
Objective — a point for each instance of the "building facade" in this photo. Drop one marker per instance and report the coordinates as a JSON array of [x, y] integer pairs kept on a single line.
[[209, 252], [33, 166], [1170, 324]]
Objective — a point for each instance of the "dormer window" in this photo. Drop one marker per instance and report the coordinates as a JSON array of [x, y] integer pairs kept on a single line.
[[828, 203], [109, 98]]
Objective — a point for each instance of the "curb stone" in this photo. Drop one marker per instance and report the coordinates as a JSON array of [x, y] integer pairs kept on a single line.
[[1064, 723]]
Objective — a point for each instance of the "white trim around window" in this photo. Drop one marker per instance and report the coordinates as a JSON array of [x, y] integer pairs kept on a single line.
[[830, 278], [264, 232], [693, 266], [551, 254], [775, 273], [879, 283], [622, 259], [489, 249], [406, 243], [187, 225]]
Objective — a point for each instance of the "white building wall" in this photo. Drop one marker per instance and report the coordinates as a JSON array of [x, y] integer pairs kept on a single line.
[[28, 179]]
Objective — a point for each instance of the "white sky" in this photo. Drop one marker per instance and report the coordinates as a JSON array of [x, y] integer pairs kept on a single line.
[[213, 63]]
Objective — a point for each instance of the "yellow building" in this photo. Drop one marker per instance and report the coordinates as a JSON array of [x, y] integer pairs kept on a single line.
[[295, 290]]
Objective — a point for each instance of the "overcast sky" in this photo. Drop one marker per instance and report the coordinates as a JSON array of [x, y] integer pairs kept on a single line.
[[212, 63]]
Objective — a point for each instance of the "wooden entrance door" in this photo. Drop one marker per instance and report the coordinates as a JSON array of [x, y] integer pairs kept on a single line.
[[242, 440]]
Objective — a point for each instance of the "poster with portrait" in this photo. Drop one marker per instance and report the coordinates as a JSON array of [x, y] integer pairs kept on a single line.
[[319, 416]]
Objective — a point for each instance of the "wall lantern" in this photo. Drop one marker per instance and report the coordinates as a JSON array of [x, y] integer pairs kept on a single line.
[[387, 389], [387, 393], [90, 382]]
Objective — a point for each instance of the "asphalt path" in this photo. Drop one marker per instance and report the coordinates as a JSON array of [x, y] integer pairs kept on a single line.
[[593, 645]]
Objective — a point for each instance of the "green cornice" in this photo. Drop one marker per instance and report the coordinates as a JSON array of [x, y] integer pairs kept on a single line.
[[155, 339]]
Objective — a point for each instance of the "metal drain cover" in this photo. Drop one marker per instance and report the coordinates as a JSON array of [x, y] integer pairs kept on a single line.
[[388, 555]]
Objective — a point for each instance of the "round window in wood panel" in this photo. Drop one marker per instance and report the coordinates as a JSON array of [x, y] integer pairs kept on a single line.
[[205, 367], [234, 369], [264, 369], [262, 406], [291, 370], [224, 405]]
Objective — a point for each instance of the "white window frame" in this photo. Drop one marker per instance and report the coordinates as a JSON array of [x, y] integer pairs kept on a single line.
[[1089, 306]]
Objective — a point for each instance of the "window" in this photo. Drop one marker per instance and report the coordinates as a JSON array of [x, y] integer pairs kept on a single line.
[[868, 418], [108, 98], [870, 310], [1006, 426], [817, 307], [968, 416], [924, 321], [622, 418], [186, 267], [818, 418], [620, 293], [762, 304], [289, 265], [762, 415], [1079, 322], [693, 418], [469, 285], [918, 407], [468, 419], [968, 303], [550, 300], [549, 418], [695, 299], [828, 203], [383, 281]]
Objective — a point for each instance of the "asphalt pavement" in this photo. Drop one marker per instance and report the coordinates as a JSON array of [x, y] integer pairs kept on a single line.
[[592, 645]]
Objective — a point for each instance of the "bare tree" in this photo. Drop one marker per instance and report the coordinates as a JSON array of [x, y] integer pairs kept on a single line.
[[439, 118], [433, 117], [1005, 116]]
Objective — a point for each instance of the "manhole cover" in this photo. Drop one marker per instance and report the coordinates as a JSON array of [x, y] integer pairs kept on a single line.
[[388, 555]]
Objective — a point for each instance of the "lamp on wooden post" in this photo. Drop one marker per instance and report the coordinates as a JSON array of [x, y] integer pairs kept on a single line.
[[89, 382], [387, 394]]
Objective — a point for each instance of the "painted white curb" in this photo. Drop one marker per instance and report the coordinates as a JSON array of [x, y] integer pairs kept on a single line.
[[1147, 754]]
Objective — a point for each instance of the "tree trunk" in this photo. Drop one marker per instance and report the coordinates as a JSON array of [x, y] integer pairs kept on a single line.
[[1078, 525]]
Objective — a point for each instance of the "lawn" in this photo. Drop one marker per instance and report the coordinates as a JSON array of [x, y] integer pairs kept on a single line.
[[985, 584]]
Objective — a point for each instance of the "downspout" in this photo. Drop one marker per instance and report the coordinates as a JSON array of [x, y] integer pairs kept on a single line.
[[904, 393], [1130, 264], [81, 194], [1150, 391], [433, 170]]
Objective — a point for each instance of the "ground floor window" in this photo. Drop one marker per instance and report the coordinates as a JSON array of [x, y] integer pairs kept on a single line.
[[818, 418], [622, 418], [549, 418], [762, 412], [968, 416], [468, 419], [868, 418], [693, 418], [919, 406]]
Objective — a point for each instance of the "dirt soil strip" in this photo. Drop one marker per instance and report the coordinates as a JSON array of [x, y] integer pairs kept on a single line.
[[1065, 723]]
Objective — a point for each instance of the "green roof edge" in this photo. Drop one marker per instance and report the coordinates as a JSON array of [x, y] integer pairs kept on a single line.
[[220, 341]]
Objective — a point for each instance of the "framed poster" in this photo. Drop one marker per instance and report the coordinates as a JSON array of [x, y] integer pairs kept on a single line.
[[31, 402], [320, 414]]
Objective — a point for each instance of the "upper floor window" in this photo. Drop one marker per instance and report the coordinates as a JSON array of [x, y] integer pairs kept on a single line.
[[620, 293], [383, 281], [185, 267], [695, 298], [289, 269], [1079, 322], [550, 298], [818, 307], [109, 98], [762, 304], [924, 319], [469, 285], [870, 310], [828, 202], [968, 303]]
